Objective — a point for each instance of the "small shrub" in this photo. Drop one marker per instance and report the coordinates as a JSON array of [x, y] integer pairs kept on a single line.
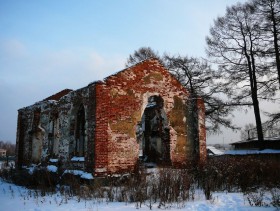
[[256, 198], [165, 186]]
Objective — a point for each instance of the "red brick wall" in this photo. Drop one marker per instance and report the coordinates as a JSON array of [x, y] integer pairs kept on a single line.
[[101, 135], [120, 103]]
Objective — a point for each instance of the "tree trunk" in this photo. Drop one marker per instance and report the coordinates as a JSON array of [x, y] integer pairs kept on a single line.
[[276, 46], [192, 127], [254, 89], [257, 117]]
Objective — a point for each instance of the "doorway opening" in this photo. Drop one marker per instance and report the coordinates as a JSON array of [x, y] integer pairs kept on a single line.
[[153, 133]]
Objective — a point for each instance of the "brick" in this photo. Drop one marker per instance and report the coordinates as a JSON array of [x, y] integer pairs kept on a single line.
[[113, 108]]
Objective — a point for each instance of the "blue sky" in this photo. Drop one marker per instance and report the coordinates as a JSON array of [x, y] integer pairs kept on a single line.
[[50, 45]]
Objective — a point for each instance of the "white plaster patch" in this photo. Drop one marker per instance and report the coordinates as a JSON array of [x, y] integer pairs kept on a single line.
[[131, 75], [173, 140], [100, 170]]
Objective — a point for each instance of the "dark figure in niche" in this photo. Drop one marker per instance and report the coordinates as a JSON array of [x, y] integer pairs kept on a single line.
[[155, 137]]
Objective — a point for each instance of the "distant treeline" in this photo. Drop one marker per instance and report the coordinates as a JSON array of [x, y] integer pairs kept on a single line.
[[10, 147]]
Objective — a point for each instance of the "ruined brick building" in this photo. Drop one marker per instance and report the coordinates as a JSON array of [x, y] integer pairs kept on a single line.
[[138, 114]]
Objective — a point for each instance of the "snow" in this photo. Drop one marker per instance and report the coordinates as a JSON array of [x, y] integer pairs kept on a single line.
[[52, 160], [82, 174], [252, 151], [3, 164], [52, 168], [31, 169], [78, 159], [86, 175], [14, 198], [214, 150], [271, 151]]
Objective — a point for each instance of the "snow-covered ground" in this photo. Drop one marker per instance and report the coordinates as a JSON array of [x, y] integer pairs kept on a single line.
[[15, 198]]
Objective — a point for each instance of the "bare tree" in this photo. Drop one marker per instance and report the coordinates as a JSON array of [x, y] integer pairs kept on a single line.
[[269, 12], [201, 81], [141, 54], [235, 43], [10, 147], [244, 133], [274, 118]]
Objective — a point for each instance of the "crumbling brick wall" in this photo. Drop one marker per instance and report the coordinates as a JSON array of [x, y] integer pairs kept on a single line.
[[111, 111], [121, 101], [45, 116]]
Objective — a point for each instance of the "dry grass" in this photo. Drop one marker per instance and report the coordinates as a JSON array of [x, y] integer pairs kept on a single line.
[[253, 175]]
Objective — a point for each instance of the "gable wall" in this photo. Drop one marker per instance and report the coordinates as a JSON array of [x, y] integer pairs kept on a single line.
[[121, 101]]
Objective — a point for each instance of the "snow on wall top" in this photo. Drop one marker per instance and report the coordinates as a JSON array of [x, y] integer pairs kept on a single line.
[[215, 150]]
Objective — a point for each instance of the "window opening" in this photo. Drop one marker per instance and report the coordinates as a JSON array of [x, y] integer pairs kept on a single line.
[[80, 132]]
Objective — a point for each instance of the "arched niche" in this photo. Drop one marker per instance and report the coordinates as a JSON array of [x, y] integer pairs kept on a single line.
[[153, 133]]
